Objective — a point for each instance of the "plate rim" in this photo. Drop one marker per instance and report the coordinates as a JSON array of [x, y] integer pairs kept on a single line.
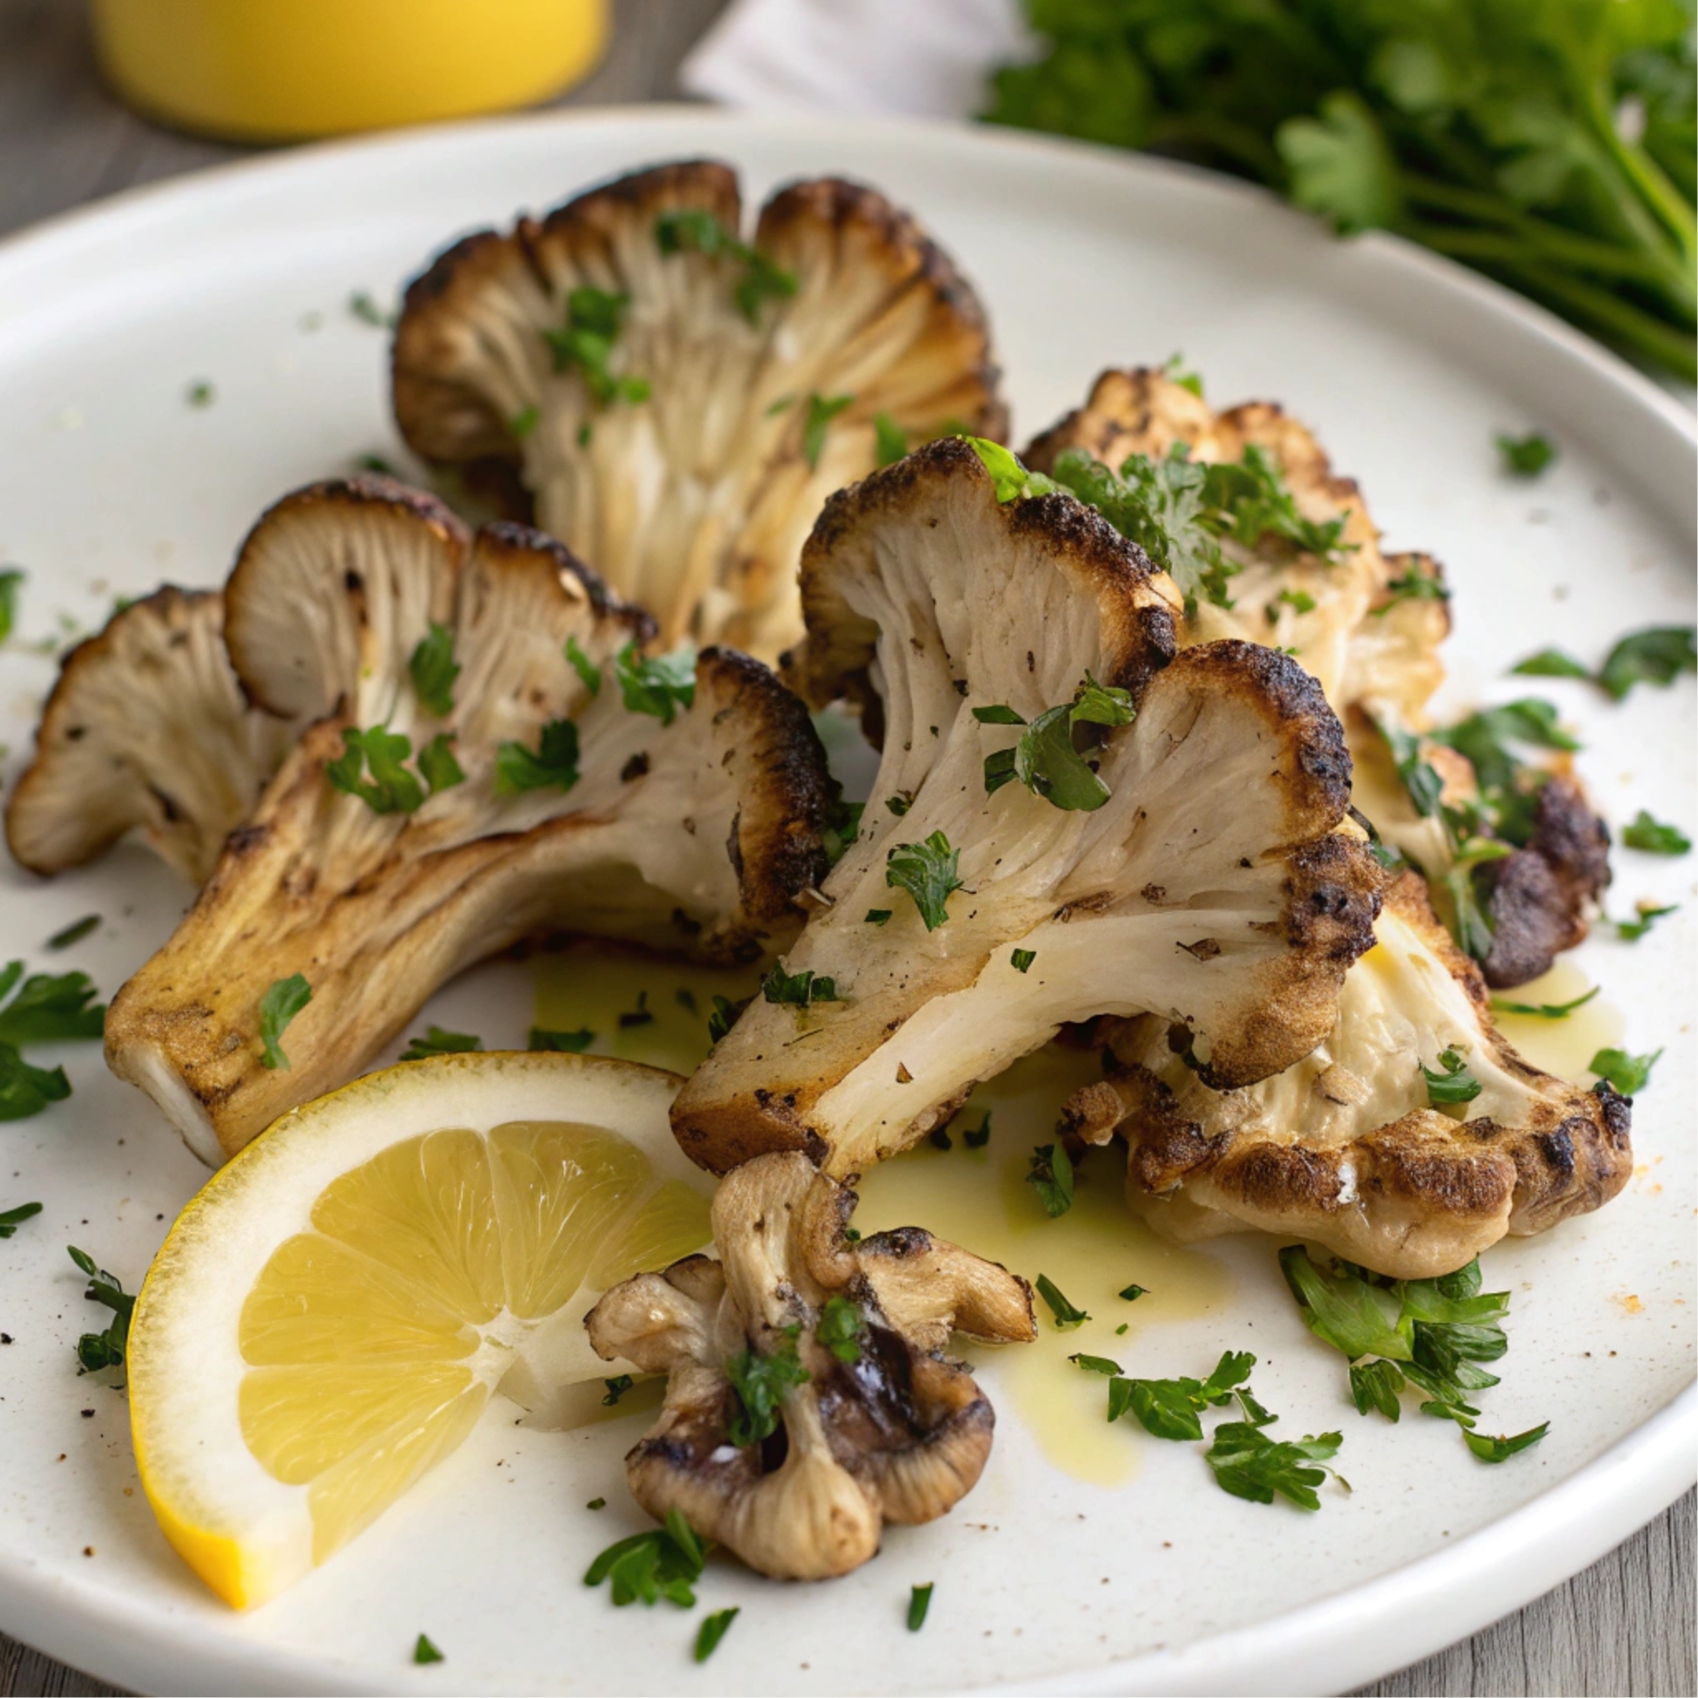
[[1343, 1638]]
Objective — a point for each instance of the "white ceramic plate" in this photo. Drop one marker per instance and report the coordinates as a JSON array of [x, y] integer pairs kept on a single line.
[[1162, 1583]]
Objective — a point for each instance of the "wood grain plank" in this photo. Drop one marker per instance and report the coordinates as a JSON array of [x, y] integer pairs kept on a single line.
[[1625, 1625]]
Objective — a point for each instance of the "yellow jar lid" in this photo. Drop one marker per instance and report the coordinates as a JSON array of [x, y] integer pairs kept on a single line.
[[281, 70]]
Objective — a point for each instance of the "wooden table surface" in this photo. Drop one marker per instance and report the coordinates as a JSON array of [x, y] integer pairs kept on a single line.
[[1624, 1626]]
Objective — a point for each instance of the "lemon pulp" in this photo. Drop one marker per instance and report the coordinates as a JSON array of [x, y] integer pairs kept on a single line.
[[372, 1341]]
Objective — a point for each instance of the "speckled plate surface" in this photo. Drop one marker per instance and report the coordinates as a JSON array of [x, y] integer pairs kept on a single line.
[[1154, 1581]]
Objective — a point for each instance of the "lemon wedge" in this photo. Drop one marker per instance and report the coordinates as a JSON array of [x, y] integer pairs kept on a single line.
[[334, 1312]]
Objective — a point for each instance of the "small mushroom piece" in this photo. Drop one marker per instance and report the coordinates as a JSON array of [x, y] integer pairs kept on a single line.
[[494, 758], [808, 1400], [1200, 864], [146, 730], [675, 400], [1346, 1148]]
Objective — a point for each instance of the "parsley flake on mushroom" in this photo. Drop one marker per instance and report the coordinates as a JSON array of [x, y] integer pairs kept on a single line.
[[1190, 862], [808, 1399], [675, 401], [400, 843]]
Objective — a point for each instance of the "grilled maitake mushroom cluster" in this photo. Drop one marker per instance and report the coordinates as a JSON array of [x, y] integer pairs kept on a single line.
[[491, 753], [673, 399], [808, 1397]]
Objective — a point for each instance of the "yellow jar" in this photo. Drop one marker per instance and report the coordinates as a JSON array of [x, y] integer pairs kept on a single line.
[[281, 70]]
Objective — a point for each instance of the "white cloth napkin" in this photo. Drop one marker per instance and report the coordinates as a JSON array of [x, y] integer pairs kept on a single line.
[[927, 58]]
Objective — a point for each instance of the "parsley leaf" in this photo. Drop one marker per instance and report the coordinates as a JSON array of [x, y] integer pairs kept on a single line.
[[1630, 931], [1525, 456], [758, 1383], [11, 579], [1654, 838], [919, 1601], [1009, 478], [1545, 1010], [1299, 601], [1496, 1450], [1095, 1364], [97, 1350], [976, 1137], [1629, 1074], [434, 669], [75, 932], [661, 1563], [798, 989], [554, 764], [12, 1219], [1051, 1176], [1550, 663], [839, 1328], [364, 307], [927, 871], [1175, 371], [1067, 1317], [1248, 1464], [1450, 1082], [566, 1043], [657, 685], [588, 672], [1171, 1409], [1046, 759], [1022, 959], [1412, 585], [27, 1090], [616, 1389], [391, 789], [425, 1652], [714, 1628], [47, 1008], [1654, 656], [283, 1000], [437, 765], [840, 828], [822, 409], [1356, 1315], [1253, 497], [585, 343], [438, 1042], [724, 1016]]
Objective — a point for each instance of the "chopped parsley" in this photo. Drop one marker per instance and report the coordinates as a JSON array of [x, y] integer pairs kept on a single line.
[[664, 1562], [822, 409], [696, 230], [1095, 1364], [1630, 931], [1252, 495], [588, 672], [919, 1601], [714, 1628], [1067, 1317], [940, 1139], [1496, 1450], [283, 1000], [47, 1008], [1411, 585], [1248, 1464], [877, 916], [976, 1137], [899, 804], [391, 788], [1450, 1082], [1629, 1074], [1431, 1335], [724, 1016], [616, 1389], [1046, 759], [1299, 601], [1021, 959], [657, 685], [1654, 837], [759, 1381], [1133, 1292], [842, 825], [798, 989], [434, 669], [839, 1328], [105, 1349], [565, 1043], [425, 1652], [437, 765], [928, 872], [75, 932], [1051, 1176], [585, 343], [596, 1503], [1009, 478], [12, 1219], [1544, 1010], [1551, 663], [890, 440], [1657, 655], [1171, 1409], [553, 764], [641, 1015], [1525, 456], [363, 305], [438, 1042], [201, 393], [1175, 372], [11, 578]]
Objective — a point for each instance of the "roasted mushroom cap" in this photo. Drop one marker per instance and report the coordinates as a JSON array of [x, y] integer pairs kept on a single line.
[[146, 730], [677, 404], [1344, 1148], [688, 828], [1212, 885], [882, 1427]]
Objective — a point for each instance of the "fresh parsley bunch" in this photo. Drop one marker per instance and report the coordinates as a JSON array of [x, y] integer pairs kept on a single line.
[[1547, 143]]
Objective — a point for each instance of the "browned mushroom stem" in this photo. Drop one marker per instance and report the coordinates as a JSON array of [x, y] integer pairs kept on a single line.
[[895, 1433]]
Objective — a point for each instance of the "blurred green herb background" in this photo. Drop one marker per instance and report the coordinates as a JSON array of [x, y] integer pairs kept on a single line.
[[1547, 143]]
